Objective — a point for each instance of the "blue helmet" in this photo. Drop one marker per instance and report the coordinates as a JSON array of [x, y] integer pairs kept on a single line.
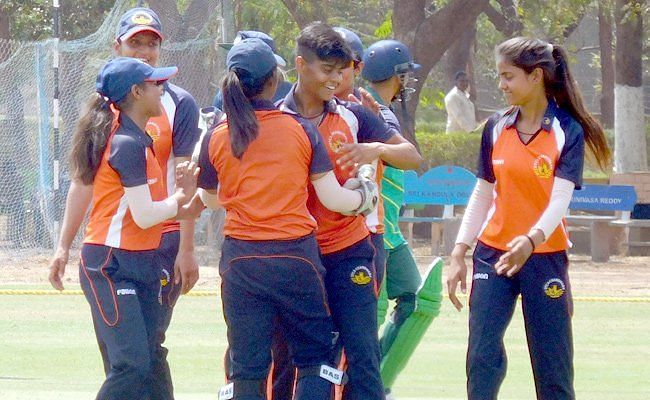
[[386, 58], [352, 40]]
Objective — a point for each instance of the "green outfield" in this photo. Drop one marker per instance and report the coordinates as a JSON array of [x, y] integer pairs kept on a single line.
[[49, 351]]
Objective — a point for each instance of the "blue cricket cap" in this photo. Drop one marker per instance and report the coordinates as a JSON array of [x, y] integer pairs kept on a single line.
[[241, 35], [137, 20], [253, 56], [352, 40], [118, 75]]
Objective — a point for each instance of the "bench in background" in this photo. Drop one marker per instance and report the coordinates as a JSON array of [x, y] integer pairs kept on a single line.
[[446, 186], [615, 200]]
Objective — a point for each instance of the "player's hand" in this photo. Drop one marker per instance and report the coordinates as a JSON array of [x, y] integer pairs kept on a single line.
[[457, 274], [366, 100], [191, 210], [186, 270], [514, 259], [57, 267], [351, 155], [186, 177]]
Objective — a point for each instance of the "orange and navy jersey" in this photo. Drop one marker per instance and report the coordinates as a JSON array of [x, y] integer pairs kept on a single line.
[[175, 133], [523, 174], [265, 192], [128, 161], [343, 123]]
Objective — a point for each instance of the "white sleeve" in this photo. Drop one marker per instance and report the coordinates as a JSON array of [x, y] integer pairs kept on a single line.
[[209, 200], [335, 197], [476, 212], [557, 207], [146, 212]]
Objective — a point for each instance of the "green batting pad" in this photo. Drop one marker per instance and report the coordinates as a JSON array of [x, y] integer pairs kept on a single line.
[[429, 299]]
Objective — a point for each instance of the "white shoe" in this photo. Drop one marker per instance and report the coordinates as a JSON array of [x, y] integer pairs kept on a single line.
[[389, 396]]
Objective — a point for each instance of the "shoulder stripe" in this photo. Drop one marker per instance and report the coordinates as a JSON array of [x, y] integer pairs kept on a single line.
[[351, 119], [170, 107], [560, 135]]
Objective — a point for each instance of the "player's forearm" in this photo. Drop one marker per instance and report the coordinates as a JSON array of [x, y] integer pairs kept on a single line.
[[335, 197], [400, 155], [187, 235], [76, 206]]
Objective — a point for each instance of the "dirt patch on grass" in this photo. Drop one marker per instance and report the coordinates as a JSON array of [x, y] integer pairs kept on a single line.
[[621, 276]]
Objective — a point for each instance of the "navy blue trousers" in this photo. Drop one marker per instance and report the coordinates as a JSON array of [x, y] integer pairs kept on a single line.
[[543, 283], [161, 380], [123, 290], [377, 240], [267, 282], [160, 385], [352, 287]]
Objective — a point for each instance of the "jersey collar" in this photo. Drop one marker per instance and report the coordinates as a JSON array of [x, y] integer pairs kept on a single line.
[[547, 121], [128, 127], [375, 95], [288, 104]]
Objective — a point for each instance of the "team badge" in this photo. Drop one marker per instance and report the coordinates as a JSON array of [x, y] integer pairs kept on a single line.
[[164, 281], [543, 166], [361, 276], [153, 130], [546, 121], [336, 140], [142, 18], [554, 288]]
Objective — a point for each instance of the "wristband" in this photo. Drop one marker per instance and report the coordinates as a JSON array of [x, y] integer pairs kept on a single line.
[[532, 243]]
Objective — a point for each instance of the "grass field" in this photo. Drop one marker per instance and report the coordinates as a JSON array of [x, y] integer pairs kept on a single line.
[[49, 352]]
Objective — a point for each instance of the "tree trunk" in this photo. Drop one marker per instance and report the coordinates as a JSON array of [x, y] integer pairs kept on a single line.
[[305, 12], [605, 37], [460, 54], [429, 36], [630, 149]]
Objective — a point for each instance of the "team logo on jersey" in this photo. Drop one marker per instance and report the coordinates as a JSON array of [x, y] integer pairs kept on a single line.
[[153, 130], [126, 292], [554, 288], [543, 166], [337, 140], [142, 18], [361, 275], [165, 279]]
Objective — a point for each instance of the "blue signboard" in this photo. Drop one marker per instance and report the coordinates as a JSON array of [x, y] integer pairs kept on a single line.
[[439, 185], [604, 198]]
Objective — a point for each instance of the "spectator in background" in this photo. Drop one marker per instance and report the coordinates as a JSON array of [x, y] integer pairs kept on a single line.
[[461, 116]]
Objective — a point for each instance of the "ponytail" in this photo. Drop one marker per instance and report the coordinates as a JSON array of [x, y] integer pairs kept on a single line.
[[238, 88], [567, 96], [90, 139], [529, 54]]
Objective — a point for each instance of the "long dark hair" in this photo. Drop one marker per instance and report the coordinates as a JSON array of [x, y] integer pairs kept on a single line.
[[238, 88], [528, 54], [90, 138]]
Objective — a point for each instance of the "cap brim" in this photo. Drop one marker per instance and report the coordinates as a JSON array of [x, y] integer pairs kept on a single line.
[[162, 74], [279, 60], [416, 67], [138, 29]]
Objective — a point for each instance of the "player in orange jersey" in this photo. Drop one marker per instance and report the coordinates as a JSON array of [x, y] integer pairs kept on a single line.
[[119, 270], [257, 164], [530, 162], [174, 133]]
